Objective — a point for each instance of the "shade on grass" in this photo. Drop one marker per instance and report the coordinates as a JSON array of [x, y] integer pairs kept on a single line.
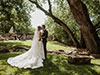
[[54, 65]]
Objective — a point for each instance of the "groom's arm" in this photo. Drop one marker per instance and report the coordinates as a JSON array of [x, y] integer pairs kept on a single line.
[[45, 34]]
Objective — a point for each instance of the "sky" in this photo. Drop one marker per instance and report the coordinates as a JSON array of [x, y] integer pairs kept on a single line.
[[38, 17]]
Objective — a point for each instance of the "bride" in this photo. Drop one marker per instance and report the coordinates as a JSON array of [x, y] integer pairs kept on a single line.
[[33, 58]]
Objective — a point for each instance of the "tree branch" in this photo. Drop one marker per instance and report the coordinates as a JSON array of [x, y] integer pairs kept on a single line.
[[50, 7], [38, 6]]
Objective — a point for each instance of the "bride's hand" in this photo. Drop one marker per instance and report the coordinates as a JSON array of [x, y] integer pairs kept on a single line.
[[39, 39]]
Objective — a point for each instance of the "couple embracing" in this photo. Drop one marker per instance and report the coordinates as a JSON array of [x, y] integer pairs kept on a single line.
[[35, 56]]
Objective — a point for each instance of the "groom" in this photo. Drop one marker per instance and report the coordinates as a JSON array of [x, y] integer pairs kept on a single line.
[[44, 39]]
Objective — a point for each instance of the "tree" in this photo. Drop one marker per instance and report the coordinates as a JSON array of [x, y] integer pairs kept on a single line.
[[57, 20], [87, 29], [62, 11], [15, 13], [65, 15]]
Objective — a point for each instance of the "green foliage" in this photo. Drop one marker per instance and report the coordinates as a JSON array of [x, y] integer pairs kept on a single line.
[[15, 13], [93, 8]]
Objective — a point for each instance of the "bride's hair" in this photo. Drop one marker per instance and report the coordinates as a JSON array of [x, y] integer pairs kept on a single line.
[[39, 28]]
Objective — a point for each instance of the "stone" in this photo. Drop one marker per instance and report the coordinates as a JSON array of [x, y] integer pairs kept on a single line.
[[61, 50], [79, 59]]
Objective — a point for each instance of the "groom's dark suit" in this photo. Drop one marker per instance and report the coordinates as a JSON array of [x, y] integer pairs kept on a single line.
[[44, 39]]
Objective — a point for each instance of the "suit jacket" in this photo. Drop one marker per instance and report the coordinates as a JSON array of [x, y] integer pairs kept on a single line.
[[45, 35]]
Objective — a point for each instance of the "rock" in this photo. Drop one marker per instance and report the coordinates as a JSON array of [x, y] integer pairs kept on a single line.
[[61, 50], [50, 51], [79, 56], [68, 52], [3, 49], [57, 52], [79, 59], [22, 50], [84, 53]]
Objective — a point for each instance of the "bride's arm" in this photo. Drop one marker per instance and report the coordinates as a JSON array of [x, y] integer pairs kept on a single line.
[[40, 36]]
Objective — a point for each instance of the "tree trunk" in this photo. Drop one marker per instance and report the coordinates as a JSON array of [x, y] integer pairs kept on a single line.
[[80, 13], [82, 42]]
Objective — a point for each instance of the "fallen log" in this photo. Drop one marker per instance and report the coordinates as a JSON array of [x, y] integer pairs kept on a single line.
[[4, 49]]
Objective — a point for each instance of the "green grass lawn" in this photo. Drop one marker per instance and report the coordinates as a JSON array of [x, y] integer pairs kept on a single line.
[[51, 45], [54, 65]]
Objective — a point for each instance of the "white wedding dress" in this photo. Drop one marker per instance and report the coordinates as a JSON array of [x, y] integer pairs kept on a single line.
[[33, 58]]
